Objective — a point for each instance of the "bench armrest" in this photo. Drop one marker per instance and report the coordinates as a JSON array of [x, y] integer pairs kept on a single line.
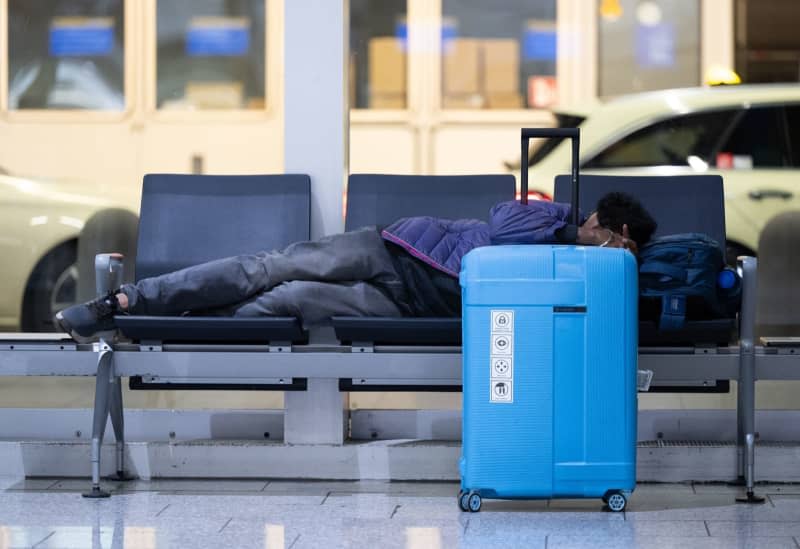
[[108, 269], [748, 271]]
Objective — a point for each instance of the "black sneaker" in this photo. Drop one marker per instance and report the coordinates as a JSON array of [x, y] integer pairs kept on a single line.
[[87, 319]]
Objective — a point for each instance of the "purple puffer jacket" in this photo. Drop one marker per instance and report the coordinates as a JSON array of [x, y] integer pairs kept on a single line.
[[441, 243]]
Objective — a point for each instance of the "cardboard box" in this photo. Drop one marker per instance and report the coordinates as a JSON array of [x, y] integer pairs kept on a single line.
[[387, 66], [215, 95], [512, 100], [500, 63], [461, 67], [463, 101], [387, 101]]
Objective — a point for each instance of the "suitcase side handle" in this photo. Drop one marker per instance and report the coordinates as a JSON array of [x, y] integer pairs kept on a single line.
[[532, 133]]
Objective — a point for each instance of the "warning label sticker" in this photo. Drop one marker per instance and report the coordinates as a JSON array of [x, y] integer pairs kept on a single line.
[[502, 321], [501, 371], [502, 344], [502, 367], [502, 390]]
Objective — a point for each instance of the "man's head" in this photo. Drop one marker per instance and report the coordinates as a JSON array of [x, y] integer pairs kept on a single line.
[[617, 210]]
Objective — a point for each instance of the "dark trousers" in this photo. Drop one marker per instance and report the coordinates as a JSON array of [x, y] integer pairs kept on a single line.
[[344, 274]]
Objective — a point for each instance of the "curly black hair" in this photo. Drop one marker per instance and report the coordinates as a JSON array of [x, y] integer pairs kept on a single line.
[[617, 209]]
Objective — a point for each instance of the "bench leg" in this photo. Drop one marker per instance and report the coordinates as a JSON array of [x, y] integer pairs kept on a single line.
[[118, 422], [747, 415], [102, 400], [740, 449], [316, 416], [746, 401]]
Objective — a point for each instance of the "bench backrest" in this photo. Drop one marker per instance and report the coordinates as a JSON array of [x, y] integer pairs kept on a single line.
[[680, 204], [374, 199], [190, 219]]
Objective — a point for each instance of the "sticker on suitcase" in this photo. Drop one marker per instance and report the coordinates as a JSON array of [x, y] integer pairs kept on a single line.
[[501, 371], [502, 321], [502, 344], [502, 367], [502, 390]]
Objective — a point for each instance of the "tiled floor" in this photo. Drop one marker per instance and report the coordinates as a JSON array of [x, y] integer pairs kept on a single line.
[[49, 513]]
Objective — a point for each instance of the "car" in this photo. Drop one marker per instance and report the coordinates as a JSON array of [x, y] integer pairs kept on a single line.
[[40, 225], [748, 134]]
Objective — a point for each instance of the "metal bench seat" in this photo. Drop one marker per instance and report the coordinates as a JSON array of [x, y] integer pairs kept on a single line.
[[374, 199], [186, 220], [207, 329]]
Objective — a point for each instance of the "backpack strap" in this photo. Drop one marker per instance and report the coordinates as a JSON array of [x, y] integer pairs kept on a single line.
[[664, 269], [673, 312]]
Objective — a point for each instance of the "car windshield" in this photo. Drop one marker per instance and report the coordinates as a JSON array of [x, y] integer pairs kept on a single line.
[[674, 141], [547, 146]]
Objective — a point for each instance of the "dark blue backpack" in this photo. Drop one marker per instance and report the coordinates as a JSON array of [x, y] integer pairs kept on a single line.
[[678, 280]]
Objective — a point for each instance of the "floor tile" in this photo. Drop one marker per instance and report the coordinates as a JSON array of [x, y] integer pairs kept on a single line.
[[196, 486], [561, 541], [784, 500], [12, 537], [755, 529], [9, 484]]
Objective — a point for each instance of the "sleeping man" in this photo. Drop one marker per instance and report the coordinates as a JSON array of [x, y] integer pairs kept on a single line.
[[409, 268]]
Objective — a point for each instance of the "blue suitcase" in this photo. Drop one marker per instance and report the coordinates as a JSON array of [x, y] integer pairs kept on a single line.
[[549, 372]]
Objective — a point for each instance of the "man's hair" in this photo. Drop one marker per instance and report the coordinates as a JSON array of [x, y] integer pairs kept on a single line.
[[617, 209]]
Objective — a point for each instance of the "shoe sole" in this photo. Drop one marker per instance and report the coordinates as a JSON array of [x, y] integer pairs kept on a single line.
[[64, 326]]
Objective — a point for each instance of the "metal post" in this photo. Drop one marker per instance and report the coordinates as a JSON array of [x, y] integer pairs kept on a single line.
[[108, 270], [747, 374], [102, 398], [118, 422]]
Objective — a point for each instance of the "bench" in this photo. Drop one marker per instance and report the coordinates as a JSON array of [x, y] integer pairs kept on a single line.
[[318, 414]]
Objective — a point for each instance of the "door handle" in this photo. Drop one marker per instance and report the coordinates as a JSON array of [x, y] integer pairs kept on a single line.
[[770, 193]]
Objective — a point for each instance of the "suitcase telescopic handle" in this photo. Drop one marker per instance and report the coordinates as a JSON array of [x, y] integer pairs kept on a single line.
[[532, 133]]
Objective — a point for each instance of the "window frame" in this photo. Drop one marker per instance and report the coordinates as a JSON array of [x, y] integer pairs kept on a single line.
[[130, 9], [273, 44]]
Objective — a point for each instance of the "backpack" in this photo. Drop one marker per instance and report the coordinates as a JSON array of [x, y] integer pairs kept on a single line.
[[678, 280]]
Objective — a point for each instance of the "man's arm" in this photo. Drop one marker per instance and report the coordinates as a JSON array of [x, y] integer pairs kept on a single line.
[[534, 223]]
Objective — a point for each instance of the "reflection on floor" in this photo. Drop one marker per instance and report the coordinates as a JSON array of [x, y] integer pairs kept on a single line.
[[46, 513]]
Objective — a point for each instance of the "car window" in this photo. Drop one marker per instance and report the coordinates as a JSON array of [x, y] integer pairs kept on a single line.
[[793, 125], [549, 144], [757, 141], [670, 142]]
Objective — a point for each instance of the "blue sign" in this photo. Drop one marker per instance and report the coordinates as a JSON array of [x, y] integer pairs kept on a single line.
[[217, 40], [449, 32], [655, 46], [77, 38], [539, 44]]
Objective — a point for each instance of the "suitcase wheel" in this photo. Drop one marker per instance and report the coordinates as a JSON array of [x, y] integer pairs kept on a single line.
[[474, 502], [463, 501], [616, 501]]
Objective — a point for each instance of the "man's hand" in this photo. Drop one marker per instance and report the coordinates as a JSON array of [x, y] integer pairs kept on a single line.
[[592, 237], [606, 237], [627, 242], [623, 240]]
